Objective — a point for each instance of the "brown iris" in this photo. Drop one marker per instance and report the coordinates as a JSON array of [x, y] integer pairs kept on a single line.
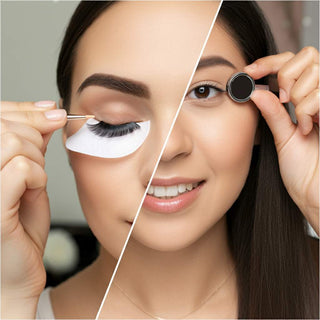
[[202, 92]]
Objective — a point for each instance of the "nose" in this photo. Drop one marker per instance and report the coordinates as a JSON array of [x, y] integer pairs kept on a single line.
[[179, 144]]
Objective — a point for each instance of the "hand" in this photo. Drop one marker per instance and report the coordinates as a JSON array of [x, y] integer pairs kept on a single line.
[[25, 212], [297, 145]]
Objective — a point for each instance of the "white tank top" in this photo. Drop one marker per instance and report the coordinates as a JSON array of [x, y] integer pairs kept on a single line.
[[44, 310]]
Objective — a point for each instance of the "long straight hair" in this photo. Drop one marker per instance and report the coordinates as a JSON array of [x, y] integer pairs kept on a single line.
[[276, 271], [277, 277]]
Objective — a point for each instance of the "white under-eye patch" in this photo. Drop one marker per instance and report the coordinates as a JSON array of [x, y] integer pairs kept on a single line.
[[87, 142]]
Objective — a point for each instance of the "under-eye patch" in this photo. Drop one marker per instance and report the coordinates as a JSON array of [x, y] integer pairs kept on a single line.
[[100, 139]]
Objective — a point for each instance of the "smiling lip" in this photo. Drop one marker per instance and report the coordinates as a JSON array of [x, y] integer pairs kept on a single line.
[[173, 204]]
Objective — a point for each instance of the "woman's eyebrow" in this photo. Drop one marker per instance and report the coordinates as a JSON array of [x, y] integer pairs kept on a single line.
[[214, 61], [109, 81]]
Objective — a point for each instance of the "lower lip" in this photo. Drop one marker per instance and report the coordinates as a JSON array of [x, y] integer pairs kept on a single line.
[[174, 204]]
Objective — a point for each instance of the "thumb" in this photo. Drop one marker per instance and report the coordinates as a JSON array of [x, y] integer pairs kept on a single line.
[[35, 215], [276, 116]]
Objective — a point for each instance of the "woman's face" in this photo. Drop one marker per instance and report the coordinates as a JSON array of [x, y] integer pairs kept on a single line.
[[212, 143], [156, 46]]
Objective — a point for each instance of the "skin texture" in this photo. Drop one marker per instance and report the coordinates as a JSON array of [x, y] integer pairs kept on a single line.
[[298, 78], [110, 190], [165, 249], [102, 50], [162, 276]]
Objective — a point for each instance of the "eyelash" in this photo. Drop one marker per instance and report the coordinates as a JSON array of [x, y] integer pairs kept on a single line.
[[208, 85], [104, 129]]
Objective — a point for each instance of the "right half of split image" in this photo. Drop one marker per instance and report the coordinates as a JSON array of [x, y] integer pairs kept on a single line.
[[229, 225]]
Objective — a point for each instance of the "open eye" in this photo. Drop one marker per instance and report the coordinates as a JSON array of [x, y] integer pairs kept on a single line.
[[204, 91], [104, 129]]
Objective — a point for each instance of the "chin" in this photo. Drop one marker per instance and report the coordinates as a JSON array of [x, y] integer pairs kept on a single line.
[[167, 237]]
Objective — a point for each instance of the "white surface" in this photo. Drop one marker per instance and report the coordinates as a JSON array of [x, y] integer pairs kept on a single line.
[[44, 310], [87, 142]]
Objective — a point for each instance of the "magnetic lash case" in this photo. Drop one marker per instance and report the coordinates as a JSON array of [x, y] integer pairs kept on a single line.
[[240, 86]]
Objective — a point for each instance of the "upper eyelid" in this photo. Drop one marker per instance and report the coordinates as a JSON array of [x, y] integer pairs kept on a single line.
[[111, 132], [118, 124], [201, 83]]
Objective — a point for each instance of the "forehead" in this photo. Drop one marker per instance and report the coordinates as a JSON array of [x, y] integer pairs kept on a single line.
[[145, 41], [221, 43]]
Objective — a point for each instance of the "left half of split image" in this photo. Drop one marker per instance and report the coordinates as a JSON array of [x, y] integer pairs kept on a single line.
[[90, 91]]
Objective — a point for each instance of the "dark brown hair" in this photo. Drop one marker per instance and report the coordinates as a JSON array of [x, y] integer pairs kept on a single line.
[[277, 275], [84, 15]]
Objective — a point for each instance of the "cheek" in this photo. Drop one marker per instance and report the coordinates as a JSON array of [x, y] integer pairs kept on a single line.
[[226, 138], [103, 184], [109, 192], [224, 141]]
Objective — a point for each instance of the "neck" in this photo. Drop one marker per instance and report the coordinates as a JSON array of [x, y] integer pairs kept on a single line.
[[179, 281]]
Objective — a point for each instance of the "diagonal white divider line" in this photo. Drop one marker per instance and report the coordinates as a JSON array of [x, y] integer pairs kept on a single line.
[[157, 163]]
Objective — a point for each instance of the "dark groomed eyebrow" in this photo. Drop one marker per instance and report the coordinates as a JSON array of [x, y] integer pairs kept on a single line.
[[211, 61], [109, 81]]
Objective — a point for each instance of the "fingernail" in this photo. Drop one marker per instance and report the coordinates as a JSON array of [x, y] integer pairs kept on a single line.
[[45, 104], [56, 114], [283, 96]]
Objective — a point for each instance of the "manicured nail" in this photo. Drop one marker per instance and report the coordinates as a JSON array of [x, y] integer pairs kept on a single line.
[[283, 96], [45, 104], [57, 114]]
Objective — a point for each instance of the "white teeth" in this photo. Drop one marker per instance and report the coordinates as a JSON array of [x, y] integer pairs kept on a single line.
[[159, 191], [150, 190], [171, 191]]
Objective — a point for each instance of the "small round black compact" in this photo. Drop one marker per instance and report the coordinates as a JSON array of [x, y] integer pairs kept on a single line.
[[240, 86]]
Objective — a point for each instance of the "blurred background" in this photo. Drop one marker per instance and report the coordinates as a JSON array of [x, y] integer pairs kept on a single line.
[[31, 34]]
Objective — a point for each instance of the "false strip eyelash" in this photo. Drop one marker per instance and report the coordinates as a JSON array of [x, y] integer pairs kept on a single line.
[[104, 129], [87, 142]]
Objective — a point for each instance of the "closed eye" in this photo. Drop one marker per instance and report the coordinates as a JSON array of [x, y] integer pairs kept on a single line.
[[104, 129]]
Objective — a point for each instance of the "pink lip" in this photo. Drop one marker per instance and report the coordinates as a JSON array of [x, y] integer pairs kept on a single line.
[[174, 204]]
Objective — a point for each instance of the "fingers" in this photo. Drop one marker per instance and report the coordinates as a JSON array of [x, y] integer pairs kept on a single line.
[[276, 116], [13, 145], [307, 82], [268, 65], [19, 174], [27, 106], [293, 69], [24, 182], [307, 110], [22, 130], [44, 122], [288, 66]]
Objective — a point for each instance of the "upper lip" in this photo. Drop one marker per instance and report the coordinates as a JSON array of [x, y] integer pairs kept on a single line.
[[174, 181]]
